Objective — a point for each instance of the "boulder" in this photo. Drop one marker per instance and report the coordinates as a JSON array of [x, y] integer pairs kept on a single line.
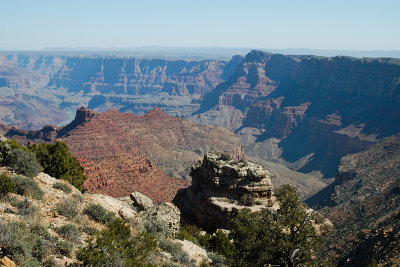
[[166, 213], [141, 201], [119, 207]]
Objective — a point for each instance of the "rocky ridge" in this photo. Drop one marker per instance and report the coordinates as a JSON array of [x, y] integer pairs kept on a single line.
[[122, 152], [221, 187]]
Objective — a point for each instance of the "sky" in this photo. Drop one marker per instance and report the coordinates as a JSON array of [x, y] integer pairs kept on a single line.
[[277, 24]]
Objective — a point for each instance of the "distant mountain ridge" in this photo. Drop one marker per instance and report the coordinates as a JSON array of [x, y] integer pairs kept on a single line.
[[306, 111]]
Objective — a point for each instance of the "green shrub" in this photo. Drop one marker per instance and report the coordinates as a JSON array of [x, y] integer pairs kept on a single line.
[[64, 248], [155, 226], [115, 246], [6, 185], [77, 197], [5, 150], [188, 232], [89, 230], [218, 243], [68, 208], [175, 249], [19, 243], [247, 200], [217, 259], [42, 232], [24, 207], [69, 232], [24, 162], [27, 187], [63, 187], [58, 162], [225, 156], [98, 213]]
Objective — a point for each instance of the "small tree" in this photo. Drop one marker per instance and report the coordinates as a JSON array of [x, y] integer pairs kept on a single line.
[[59, 163], [285, 238]]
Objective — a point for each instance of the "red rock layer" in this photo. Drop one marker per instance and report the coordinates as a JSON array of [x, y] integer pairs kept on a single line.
[[122, 152], [119, 175]]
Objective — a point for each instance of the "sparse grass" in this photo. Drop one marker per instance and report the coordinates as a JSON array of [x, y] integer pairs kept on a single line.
[[64, 248], [63, 187], [19, 243], [24, 207], [77, 198], [69, 232], [98, 213], [88, 230], [68, 208], [25, 186]]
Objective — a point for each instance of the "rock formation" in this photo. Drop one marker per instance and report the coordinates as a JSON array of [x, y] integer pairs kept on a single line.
[[140, 201], [221, 187]]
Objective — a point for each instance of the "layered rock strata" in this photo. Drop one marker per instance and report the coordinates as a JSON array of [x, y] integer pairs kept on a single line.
[[221, 187], [122, 152], [318, 109]]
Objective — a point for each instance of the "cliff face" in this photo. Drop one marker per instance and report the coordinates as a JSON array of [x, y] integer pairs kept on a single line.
[[221, 187], [319, 108], [363, 203], [58, 85], [123, 152], [134, 76]]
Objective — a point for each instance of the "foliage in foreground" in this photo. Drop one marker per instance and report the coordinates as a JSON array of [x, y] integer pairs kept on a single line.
[[59, 163], [116, 246], [28, 245], [286, 238]]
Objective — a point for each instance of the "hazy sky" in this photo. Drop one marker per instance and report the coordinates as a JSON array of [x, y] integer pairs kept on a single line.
[[323, 24]]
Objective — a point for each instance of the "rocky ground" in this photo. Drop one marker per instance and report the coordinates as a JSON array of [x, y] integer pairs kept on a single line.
[[45, 214]]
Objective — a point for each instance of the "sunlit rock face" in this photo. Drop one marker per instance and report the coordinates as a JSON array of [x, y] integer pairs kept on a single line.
[[221, 187]]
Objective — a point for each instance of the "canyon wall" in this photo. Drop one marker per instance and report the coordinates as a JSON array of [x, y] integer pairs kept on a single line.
[[309, 111]]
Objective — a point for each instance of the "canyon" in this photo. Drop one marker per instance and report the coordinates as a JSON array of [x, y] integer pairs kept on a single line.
[[302, 112], [304, 118]]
